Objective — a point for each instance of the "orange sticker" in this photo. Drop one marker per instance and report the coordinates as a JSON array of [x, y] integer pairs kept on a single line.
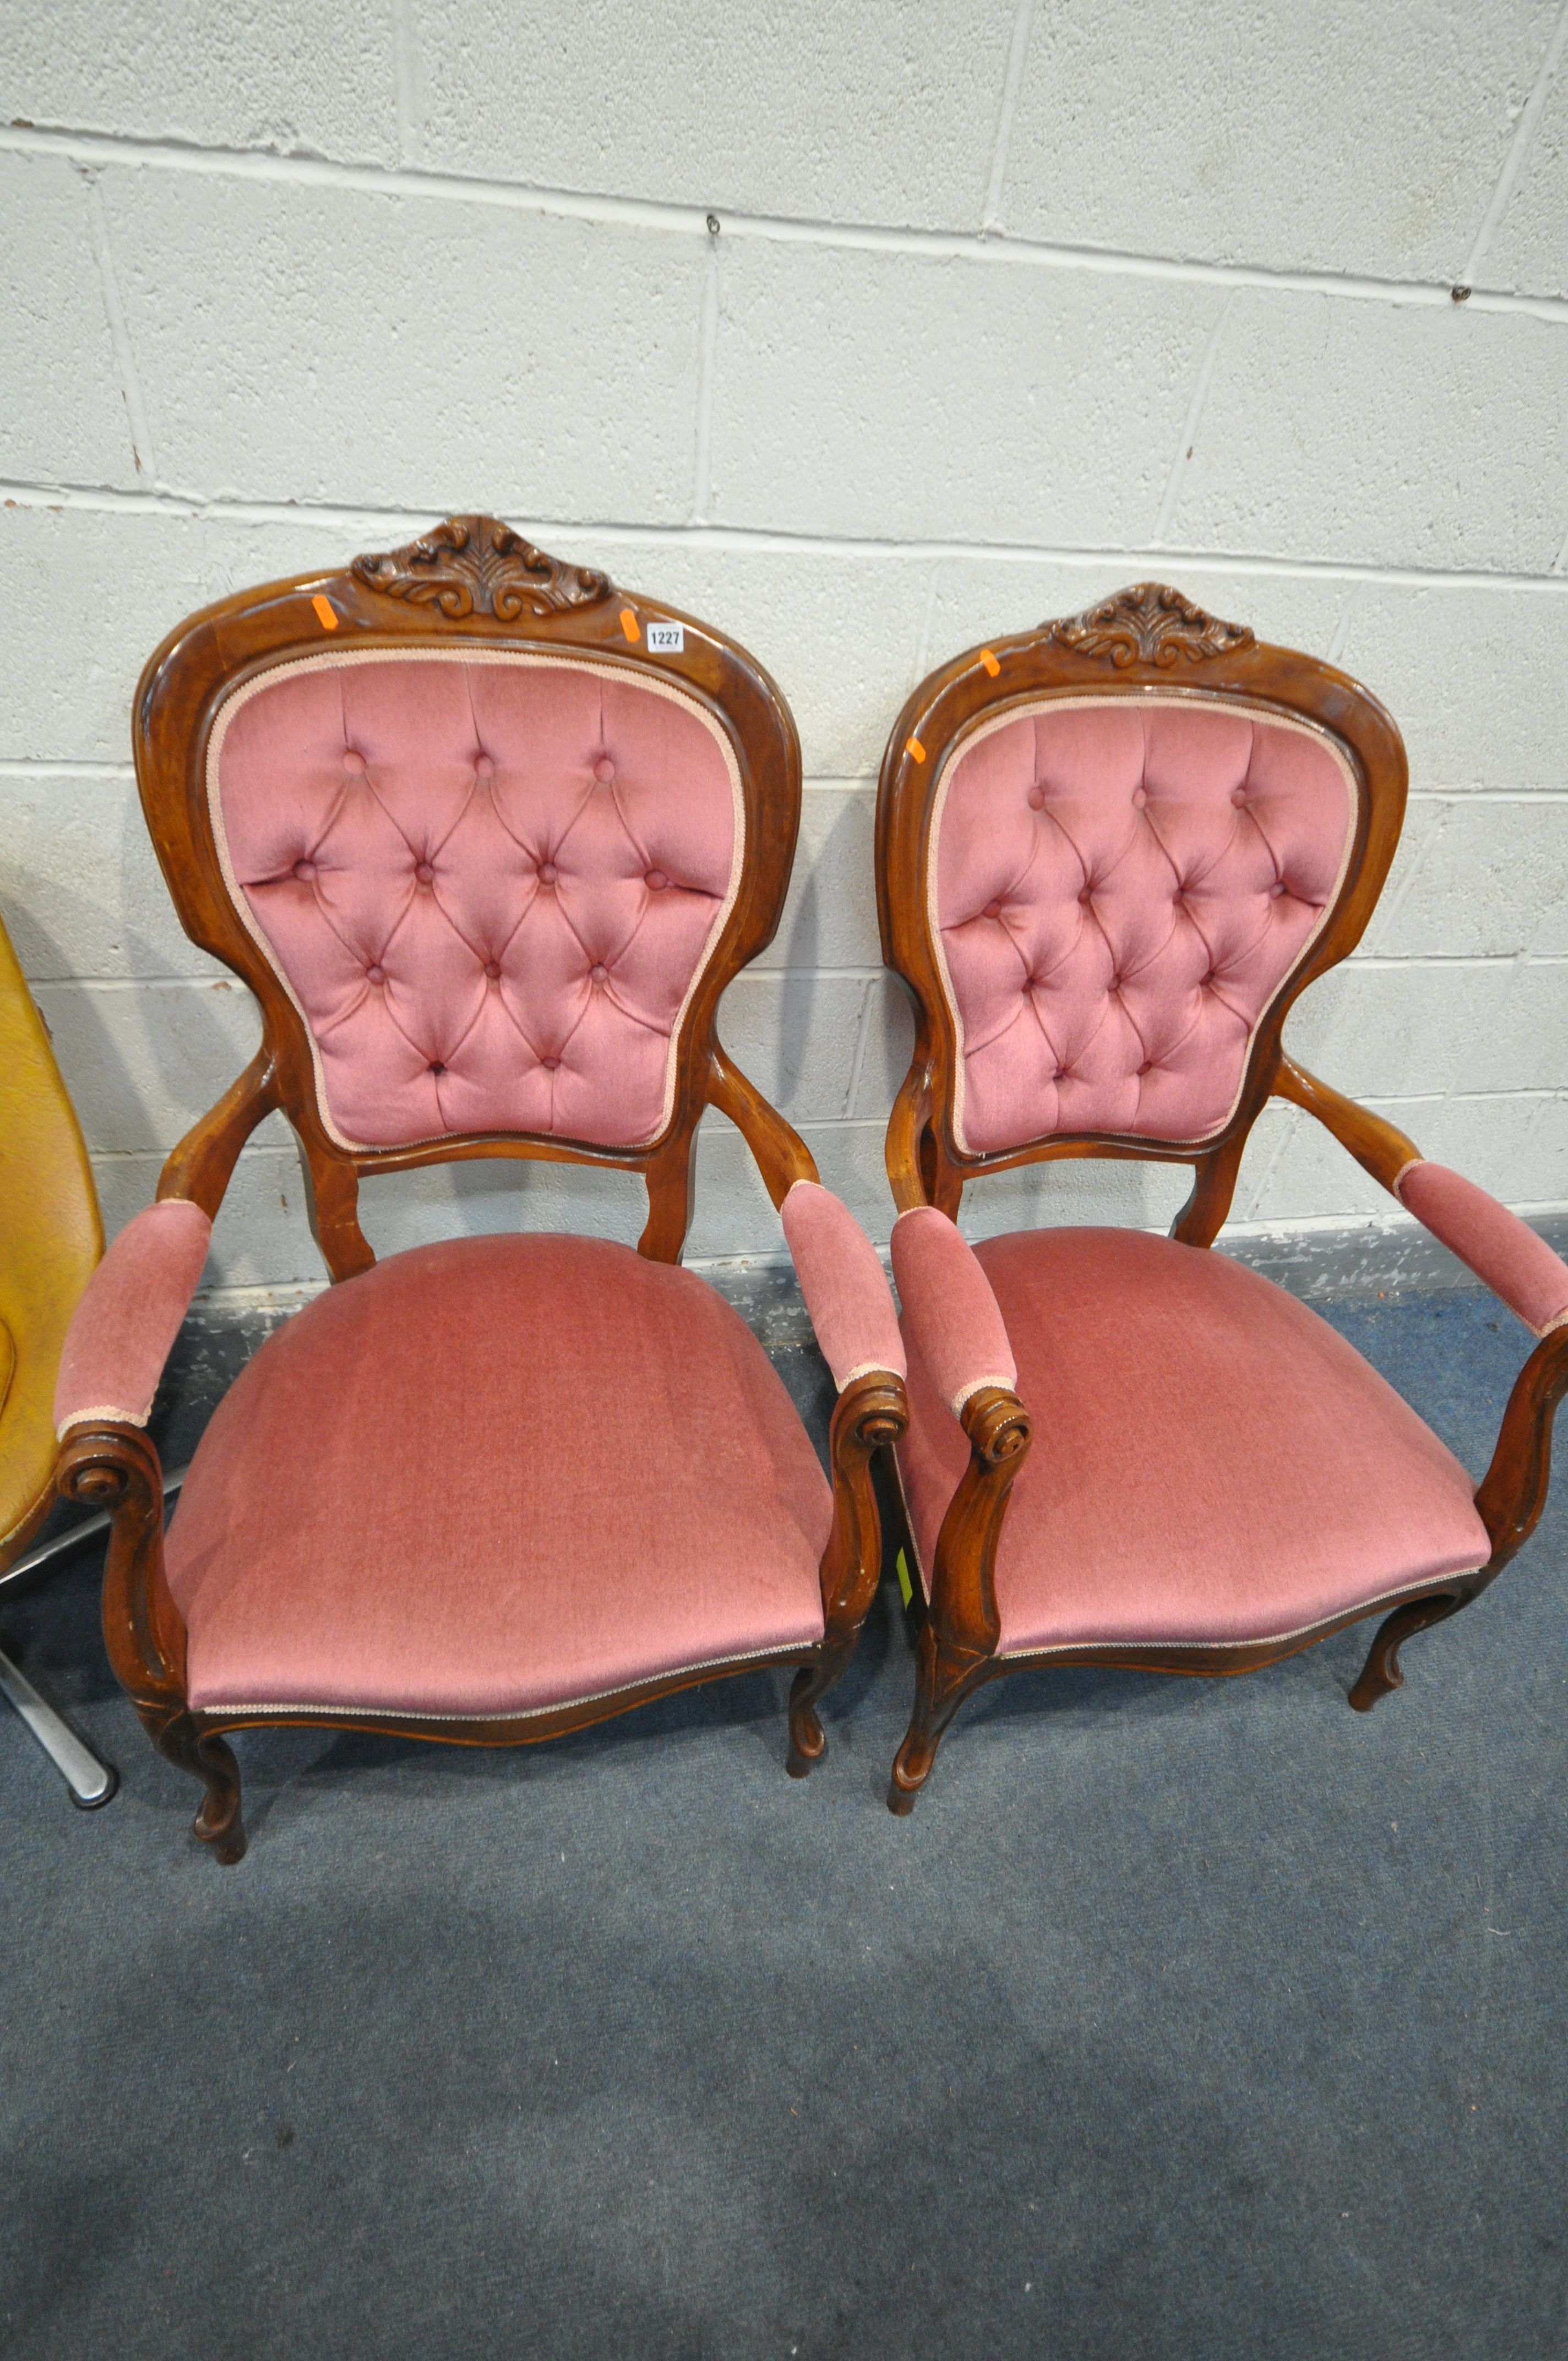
[[989, 661], [914, 747], [628, 624], [326, 613]]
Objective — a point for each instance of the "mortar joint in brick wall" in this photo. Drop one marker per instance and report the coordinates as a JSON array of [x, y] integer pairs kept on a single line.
[[707, 348], [991, 247], [1013, 83], [407, 67], [1518, 150], [616, 533], [1191, 424], [137, 422]]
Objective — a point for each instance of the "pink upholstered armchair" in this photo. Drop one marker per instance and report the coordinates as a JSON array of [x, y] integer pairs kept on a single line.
[[487, 838], [1109, 854]]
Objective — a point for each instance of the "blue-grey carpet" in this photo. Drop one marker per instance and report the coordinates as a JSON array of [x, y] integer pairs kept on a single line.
[[1184, 2018]]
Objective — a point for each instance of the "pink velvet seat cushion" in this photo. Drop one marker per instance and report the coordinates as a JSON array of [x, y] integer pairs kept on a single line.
[[1210, 1462], [492, 1476]]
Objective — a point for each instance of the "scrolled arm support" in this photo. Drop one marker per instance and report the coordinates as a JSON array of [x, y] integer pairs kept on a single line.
[[963, 1586], [1509, 1258], [869, 1416], [870, 1411], [115, 1467], [1504, 1253], [1512, 1494]]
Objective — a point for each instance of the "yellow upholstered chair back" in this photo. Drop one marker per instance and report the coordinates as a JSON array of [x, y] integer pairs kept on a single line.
[[51, 1240]]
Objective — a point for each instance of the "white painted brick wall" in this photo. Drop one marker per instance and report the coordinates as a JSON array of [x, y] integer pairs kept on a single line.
[[1010, 304]]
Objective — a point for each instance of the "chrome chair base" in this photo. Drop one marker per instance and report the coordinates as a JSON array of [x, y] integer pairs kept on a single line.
[[91, 1783]]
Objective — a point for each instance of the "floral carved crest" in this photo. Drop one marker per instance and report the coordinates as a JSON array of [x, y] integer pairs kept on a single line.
[[1149, 624], [476, 565]]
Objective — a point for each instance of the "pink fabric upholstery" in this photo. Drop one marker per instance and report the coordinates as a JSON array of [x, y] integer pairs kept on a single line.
[[1121, 887], [951, 1322], [493, 1475], [1210, 1462], [845, 1287], [489, 884], [1519, 1268], [129, 1316]]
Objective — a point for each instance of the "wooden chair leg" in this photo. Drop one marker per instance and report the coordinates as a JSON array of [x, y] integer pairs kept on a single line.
[[1381, 1671], [208, 1758], [942, 1680], [807, 1738]]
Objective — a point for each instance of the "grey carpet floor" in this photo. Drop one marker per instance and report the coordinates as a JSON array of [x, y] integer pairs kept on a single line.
[[1184, 2018]]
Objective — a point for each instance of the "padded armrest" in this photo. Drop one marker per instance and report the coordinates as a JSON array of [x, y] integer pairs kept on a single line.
[[844, 1284], [1519, 1268], [953, 1319], [129, 1315]]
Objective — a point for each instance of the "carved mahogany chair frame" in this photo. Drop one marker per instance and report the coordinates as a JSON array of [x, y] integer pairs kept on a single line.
[[1145, 641], [470, 582]]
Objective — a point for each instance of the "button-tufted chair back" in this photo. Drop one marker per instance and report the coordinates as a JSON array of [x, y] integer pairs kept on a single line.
[[488, 879], [1110, 853], [486, 838], [1120, 888]]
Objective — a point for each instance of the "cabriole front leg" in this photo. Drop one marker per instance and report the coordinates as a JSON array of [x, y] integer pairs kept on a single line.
[[182, 1739], [958, 1641], [870, 1412], [1381, 1672], [1508, 1500], [944, 1677]]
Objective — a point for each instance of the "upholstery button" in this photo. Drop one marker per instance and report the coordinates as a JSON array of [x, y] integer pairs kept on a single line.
[[1037, 798], [1147, 1066], [1276, 890], [374, 973], [1028, 985], [1140, 798], [992, 910], [353, 760], [1209, 979], [483, 766], [436, 1067], [493, 970], [304, 870], [550, 1064], [1087, 895], [1115, 983], [547, 872], [424, 872], [604, 770], [597, 974], [1238, 796], [655, 881]]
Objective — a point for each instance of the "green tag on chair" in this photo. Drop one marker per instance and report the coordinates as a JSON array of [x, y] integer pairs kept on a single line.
[[904, 1584]]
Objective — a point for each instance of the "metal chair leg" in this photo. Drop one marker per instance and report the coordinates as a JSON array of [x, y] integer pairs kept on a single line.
[[91, 1784], [49, 1550]]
